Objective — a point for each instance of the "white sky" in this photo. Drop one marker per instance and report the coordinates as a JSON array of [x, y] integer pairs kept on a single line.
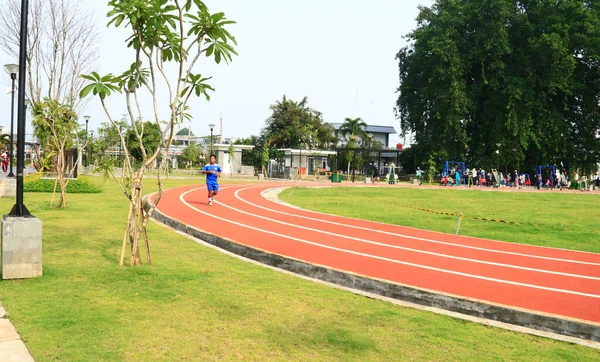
[[327, 50]]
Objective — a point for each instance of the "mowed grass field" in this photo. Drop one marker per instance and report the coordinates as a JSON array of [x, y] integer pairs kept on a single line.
[[195, 303], [553, 219]]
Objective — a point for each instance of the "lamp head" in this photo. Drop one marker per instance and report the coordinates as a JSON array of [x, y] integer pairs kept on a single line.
[[12, 69], [211, 126]]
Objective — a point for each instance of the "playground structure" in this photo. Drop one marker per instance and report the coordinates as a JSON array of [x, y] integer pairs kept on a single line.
[[461, 168], [547, 173]]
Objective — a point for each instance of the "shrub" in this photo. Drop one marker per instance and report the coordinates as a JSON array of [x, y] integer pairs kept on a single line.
[[82, 185]]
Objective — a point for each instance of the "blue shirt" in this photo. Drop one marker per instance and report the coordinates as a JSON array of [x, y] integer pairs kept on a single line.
[[209, 176]]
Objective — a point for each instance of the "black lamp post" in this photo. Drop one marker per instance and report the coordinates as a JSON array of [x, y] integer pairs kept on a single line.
[[212, 126], [19, 209], [12, 69], [91, 155], [87, 121]]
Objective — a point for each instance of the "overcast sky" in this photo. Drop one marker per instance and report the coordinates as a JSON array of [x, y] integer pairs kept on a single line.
[[338, 53]]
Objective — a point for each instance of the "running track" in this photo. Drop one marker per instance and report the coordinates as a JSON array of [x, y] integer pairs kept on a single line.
[[551, 281]]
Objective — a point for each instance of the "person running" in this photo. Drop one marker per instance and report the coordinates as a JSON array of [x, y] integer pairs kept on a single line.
[[212, 172]]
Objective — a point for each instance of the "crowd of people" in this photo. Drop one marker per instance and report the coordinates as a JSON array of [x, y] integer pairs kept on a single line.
[[556, 180]]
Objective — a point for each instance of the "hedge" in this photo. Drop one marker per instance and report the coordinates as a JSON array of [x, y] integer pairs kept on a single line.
[[82, 185]]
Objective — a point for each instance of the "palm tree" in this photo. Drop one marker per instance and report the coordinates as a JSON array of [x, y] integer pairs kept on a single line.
[[356, 128]]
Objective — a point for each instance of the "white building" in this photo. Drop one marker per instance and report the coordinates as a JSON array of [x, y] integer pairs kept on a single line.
[[380, 134]]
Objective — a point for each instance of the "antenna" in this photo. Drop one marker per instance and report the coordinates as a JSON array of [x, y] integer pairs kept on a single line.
[[356, 105]]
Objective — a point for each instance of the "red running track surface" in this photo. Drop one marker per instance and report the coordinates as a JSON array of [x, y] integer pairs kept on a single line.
[[551, 281]]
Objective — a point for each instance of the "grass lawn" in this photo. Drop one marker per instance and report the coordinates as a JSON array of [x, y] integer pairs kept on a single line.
[[560, 220], [194, 303]]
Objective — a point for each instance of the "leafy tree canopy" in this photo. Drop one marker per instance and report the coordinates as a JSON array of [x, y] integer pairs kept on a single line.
[[520, 77], [294, 123], [151, 139]]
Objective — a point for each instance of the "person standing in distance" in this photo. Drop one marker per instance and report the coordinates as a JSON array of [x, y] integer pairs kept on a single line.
[[212, 172]]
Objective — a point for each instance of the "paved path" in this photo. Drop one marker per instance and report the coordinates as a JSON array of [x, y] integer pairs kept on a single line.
[[12, 347]]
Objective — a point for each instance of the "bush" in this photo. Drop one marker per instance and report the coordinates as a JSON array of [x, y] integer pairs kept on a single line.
[[35, 183]]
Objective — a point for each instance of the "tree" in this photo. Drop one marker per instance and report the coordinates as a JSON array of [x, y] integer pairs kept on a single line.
[[150, 134], [54, 125], [171, 34], [230, 156], [192, 154], [355, 128], [62, 44], [521, 77], [354, 131], [294, 125]]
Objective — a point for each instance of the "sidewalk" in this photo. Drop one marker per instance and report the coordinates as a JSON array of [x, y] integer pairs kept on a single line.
[[12, 348]]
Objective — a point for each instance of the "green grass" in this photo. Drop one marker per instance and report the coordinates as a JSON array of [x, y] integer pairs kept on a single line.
[[561, 220], [195, 303]]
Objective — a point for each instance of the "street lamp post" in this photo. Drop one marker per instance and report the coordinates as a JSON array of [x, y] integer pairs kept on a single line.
[[212, 126], [91, 154], [87, 121], [19, 209], [12, 69]]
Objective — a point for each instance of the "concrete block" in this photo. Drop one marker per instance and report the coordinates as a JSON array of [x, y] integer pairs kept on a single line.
[[21, 248], [7, 257], [10, 187]]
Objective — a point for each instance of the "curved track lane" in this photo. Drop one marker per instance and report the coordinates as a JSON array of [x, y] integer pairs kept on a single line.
[[551, 281]]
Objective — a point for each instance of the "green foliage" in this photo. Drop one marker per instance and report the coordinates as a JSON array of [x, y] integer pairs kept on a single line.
[[231, 152], [354, 130], [261, 154], [431, 170], [54, 124], [522, 74], [82, 185], [151, 139], [157, 27], [293, 124], [192, 153]]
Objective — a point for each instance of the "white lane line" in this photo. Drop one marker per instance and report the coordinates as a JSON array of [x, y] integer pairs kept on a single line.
[[405, 248], [408, 236], [182, 199]]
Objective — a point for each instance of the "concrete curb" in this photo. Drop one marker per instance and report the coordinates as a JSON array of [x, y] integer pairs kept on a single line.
[[586, 333], [12, 347]]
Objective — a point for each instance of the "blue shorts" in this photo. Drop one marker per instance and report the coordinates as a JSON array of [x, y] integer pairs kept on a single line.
[[212, 186]]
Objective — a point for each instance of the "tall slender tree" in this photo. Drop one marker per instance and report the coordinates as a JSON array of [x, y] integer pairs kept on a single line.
[[163, 34]]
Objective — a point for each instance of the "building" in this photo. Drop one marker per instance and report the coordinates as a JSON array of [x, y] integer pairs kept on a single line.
[[232, 164], [304, 161], [380, 134]]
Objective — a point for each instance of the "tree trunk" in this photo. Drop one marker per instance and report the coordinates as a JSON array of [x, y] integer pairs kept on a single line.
[[60, 175], [136, 220]]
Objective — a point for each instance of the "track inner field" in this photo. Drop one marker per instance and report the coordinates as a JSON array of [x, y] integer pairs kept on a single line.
[[551, 281]]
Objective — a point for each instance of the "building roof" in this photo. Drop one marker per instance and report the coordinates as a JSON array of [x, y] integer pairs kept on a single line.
[[290, 151], [371, 128]]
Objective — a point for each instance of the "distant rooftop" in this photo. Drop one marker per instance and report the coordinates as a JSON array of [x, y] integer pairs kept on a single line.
[[371, 128]]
